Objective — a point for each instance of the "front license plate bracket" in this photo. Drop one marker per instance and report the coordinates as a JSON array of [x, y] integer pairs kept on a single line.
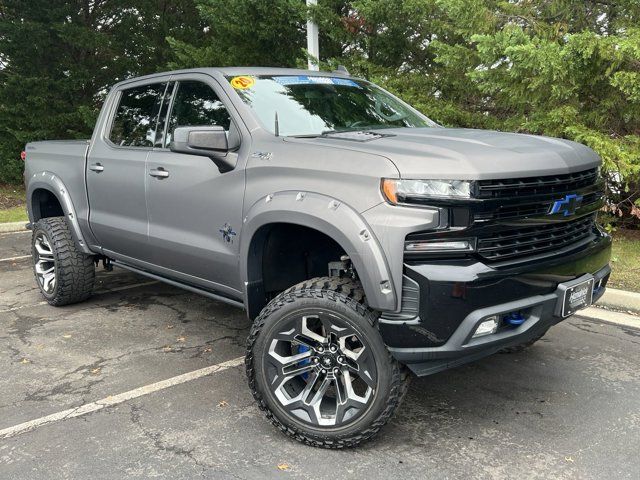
[[575, 295]]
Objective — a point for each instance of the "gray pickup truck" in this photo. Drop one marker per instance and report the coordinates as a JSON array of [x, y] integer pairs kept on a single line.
[[364, 241]]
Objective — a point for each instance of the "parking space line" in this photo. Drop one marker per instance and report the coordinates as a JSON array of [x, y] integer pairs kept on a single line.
[[119, 398], [23, 306], [13, 259], [97, 292]]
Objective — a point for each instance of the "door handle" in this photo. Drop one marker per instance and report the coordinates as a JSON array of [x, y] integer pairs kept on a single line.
[[96, 167], [159, 173]]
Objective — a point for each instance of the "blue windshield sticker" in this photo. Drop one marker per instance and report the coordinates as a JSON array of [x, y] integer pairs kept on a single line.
[[313, 80]]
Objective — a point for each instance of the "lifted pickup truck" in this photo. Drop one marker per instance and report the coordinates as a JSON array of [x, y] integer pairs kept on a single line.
[[364, 241]]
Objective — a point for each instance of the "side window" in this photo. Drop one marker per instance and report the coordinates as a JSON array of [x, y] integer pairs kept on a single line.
[[136, 119], [196, 104]]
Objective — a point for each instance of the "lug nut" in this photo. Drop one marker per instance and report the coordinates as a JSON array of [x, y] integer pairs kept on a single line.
[[341, 358], [324, 370], [336, 370], [321, 349], [333, 348], [315, 360]]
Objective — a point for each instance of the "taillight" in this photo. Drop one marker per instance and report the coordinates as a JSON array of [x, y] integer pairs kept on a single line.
[[23, 155]]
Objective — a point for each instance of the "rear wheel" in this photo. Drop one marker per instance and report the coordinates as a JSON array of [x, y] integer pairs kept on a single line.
[[64, 274], [317, 365]]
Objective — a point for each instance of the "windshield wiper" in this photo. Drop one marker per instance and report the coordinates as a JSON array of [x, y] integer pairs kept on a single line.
[[326, 133], [316, 135], [306, 135]]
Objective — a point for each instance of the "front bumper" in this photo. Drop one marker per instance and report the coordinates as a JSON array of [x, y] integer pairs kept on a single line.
[[444, 301]]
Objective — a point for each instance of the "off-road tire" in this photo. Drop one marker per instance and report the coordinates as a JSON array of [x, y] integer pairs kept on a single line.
[[523, 346], [347, 298], [74, 270]]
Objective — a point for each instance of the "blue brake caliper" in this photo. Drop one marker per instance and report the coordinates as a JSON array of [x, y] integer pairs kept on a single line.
[[306, 361]]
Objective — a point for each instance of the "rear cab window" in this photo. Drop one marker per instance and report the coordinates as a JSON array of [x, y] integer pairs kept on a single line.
[[135, 123]]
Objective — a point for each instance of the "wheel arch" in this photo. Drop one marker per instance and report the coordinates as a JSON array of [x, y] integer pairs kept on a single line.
[[328, 216], [48, 187]]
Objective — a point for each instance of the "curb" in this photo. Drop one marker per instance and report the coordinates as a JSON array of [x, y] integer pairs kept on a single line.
[[616, 318], [13, 227], [620, 300]]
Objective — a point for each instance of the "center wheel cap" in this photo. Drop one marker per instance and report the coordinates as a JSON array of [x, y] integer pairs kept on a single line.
[[327, 361]]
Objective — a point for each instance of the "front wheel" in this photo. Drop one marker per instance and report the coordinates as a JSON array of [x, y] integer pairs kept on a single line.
[[317, 365]]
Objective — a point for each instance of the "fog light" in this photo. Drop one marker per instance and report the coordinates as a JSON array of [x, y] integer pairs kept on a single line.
[[487, 327]]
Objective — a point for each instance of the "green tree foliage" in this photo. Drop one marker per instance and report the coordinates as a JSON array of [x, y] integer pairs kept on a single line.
[[246, 32], [59, 57], [567, 68]]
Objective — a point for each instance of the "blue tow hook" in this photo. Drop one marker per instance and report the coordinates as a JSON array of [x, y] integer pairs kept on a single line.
[[514, 319]]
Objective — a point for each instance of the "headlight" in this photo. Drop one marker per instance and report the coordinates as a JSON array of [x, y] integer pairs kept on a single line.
[[403, 191]]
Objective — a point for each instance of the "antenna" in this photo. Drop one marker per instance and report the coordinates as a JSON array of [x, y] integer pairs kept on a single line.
[[277, 126], [342, 69]]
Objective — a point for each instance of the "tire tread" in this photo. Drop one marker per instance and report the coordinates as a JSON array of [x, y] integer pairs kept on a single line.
[[350, 293], [75, 271]]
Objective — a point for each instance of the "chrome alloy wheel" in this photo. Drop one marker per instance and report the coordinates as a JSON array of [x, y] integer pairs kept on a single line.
[[44, 262], [320, 370]]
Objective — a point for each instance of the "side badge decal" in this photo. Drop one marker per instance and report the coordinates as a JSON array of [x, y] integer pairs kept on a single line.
[[227, 233], [262, 155]]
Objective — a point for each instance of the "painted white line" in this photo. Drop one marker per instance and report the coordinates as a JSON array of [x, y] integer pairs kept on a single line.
[[97, 292], [23, 306], [13, 259], [18, 232], [119, 398]]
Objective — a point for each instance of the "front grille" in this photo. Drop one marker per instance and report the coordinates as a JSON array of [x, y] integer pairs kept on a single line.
[[548, 185], [511, 219], [538, 208], [512, 243]]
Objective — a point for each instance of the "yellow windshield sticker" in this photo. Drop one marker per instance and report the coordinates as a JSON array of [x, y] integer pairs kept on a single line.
[[242, 82]]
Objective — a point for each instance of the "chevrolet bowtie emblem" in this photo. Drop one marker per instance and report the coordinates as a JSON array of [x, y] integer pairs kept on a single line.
[[566, 206]]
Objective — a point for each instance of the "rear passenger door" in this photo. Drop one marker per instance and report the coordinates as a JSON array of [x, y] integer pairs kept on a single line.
[[195, 212], [116, 170]]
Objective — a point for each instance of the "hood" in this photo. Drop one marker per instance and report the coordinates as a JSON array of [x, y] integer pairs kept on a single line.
[[467, 154]]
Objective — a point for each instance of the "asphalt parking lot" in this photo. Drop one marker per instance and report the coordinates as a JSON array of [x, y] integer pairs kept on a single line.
[[145, 380]]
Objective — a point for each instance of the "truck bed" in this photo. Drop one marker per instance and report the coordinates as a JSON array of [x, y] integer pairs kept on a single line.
[[66, 160]]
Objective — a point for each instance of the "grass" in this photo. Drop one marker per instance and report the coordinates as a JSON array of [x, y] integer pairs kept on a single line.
[[13, 214], [625, 261], [12, 204]]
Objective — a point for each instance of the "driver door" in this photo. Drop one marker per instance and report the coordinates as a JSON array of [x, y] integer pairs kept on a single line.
[[195, 212]]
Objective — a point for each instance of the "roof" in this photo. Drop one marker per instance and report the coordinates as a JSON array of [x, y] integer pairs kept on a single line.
[[233, 71], [274, 71]]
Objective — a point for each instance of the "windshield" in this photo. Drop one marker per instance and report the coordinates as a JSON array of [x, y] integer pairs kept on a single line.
[[315, 105]]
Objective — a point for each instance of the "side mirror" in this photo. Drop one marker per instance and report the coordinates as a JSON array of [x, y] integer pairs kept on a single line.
[[204, 141]]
